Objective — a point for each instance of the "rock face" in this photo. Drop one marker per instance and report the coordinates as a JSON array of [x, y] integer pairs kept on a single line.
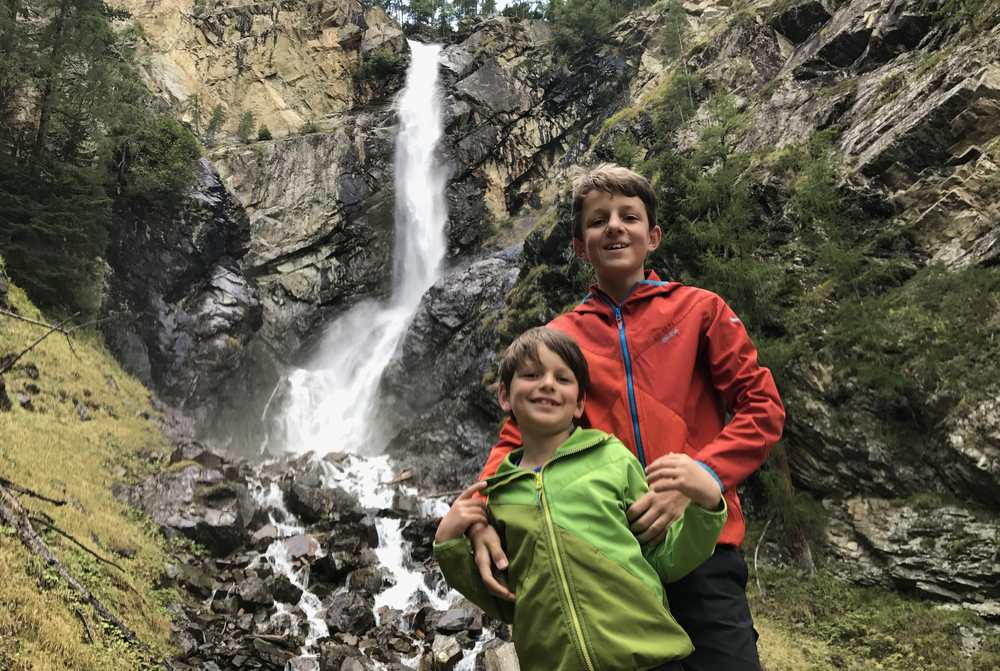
[[433, 389], [181, 309], [942, 551], [287, 63], [321, 221]]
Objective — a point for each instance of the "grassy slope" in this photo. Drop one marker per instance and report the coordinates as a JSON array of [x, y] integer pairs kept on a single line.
[[53, 452]]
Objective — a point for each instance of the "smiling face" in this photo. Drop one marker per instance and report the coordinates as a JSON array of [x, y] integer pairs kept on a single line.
[[543, 396], [615, 239]]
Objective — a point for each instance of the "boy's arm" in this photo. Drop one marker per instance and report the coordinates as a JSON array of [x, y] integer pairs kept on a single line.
[[749, 393], [689, 541], [460, 571]]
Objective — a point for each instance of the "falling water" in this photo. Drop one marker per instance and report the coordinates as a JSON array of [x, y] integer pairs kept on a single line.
[[332, 399]]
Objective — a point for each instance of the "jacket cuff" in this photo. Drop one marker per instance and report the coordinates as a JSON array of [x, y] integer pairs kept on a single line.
[[452, 545], [715, 476]]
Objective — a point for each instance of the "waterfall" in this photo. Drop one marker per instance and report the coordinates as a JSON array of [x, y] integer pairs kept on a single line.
[[332, 399]]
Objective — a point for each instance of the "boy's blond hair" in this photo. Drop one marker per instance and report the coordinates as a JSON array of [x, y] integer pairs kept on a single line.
[[614, 179]]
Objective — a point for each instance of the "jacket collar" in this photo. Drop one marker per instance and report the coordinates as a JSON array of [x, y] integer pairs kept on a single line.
[[580, 440], [598, 301]]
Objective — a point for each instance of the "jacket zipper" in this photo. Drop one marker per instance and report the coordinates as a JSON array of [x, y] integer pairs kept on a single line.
[[632, 406], [561, 571]]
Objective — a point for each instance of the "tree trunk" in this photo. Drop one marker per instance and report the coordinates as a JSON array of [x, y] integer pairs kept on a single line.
[[47, 100]]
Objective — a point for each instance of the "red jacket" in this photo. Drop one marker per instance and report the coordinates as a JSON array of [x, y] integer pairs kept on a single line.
[[665, 367]]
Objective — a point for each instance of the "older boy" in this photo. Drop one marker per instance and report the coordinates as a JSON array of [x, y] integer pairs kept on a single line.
[[668, 363], [589, 596]]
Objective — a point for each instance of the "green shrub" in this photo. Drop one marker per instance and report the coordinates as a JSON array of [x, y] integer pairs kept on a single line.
[[380, 64], [263, 133], [309, 127]]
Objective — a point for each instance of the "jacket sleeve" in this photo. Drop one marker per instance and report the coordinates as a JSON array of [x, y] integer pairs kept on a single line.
[[460, 572], [689, 541], [749, 393], [510, 438]]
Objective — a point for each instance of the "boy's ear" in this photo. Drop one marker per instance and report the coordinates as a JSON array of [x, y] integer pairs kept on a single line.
[[502, 397], [655, 237], [578, 413]]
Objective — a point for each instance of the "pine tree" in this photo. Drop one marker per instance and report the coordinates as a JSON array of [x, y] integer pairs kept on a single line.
[[245, 130], [214, 124]]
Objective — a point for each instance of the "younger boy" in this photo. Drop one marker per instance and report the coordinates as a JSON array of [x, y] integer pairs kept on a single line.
[[674, 372], [588, 595]]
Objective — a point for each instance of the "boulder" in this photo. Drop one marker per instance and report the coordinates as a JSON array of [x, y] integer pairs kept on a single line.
[[199, 503], [349, 612]]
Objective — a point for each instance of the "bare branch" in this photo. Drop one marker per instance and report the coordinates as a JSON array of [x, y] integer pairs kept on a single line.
[[58, 327], [28, 492]]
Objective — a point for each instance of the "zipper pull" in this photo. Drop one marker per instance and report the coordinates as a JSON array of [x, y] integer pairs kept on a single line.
[[618, 315], [538, 490]]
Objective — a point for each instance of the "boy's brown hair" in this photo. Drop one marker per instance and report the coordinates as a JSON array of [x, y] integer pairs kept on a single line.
[[614, 179], [525, 348]]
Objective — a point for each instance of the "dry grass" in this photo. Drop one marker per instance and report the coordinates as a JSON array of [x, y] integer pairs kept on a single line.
[[52, 451]]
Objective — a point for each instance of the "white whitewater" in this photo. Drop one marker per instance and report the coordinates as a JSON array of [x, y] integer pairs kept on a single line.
[[332, 400]]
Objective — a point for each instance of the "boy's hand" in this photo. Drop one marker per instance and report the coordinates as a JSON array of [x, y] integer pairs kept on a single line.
[[488, 552], [653, 513], [679, 472], [468, 509]]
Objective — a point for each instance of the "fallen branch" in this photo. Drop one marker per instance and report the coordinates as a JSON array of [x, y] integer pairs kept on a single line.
[[53, 527], [760, 541], [58, 327], [13, 514], [86, 625], [28, 492]]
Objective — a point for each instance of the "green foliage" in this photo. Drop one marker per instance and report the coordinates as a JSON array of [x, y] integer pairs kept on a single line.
[[157, 163], [675, 23], [77, 130], [380, 64], [870, 628], [264, 133], [54, 223], [794, 511], [215, 122], [624, 150], [246, 127], [309, 127]]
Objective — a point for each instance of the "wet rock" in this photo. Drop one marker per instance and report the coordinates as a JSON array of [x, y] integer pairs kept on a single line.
[[315, 503], [420, 534], [198, 309], [499, 656], [464, 618], [199, 503], [349, 612], [194, 451], [253, 593], [301, 546], [284, 589], [271, 652], [800, 20], [446, 652], [369, 579]]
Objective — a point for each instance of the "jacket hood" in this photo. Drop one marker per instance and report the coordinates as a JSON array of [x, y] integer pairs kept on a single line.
[[581, 439]]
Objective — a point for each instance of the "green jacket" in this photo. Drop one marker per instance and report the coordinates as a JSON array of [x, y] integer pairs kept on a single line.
[[589, 597]]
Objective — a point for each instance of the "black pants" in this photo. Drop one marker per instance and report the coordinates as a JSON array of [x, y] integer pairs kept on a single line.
[[711, 605]]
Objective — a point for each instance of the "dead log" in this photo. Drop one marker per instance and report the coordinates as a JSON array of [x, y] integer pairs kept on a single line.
[[13, 514]]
